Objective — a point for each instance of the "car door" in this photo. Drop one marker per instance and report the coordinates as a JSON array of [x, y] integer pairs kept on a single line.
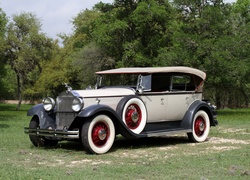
[[156, 105], [182, 94], [155, 97]]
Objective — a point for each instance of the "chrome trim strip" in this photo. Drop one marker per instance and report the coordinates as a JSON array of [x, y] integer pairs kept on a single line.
[[52, 133]]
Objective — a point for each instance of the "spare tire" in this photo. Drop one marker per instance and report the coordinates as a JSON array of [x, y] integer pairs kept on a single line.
[[133, 113]]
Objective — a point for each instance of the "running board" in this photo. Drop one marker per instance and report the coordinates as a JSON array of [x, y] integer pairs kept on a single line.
[[163, 133]]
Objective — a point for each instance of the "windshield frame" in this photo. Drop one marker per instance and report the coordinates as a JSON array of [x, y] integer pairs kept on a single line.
[[117, 80]]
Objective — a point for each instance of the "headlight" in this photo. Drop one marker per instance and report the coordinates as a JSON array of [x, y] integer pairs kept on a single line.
[[77, 104], [48, 104]]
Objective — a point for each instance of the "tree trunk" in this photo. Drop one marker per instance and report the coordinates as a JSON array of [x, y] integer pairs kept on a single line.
[[245, 97], [19, 92], [218, 99]]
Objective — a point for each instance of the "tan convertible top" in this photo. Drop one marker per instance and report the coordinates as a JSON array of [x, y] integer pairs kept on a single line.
[[150, 70]]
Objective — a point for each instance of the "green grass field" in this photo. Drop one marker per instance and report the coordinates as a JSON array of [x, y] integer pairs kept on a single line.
[[226, 154]]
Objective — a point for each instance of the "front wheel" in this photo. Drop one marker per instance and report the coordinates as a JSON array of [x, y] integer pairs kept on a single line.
[[37, 140], [200, 127], [98, 134]]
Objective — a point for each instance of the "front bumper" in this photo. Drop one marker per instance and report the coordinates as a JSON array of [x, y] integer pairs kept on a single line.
[[55, 133]]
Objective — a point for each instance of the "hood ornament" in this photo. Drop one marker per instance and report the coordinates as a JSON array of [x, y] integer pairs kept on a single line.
[[68, 87]]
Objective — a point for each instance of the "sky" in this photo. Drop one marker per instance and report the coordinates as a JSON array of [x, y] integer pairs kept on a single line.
[[55, 15]]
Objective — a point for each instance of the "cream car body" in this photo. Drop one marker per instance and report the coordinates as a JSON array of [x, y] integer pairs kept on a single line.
[[133, 102]]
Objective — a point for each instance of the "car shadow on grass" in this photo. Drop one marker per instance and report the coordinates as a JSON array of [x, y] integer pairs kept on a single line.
[[67, 146], [4, 126], [123, 143], [151, 142]]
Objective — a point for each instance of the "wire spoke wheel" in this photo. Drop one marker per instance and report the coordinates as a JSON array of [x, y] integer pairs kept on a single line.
[[133, 116], [98, 134], [199, 126], [133, 113]]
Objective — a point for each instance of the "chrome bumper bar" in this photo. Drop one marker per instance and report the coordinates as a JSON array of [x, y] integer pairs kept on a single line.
[[52, 133]]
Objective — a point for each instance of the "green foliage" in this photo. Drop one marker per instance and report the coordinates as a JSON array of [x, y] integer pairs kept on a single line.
[[8, 83], [83, 25], [213, 39], [3, 22], [209, 35], [242, 7], [25, 48], [133, 31], [87, 61], [50, 79]]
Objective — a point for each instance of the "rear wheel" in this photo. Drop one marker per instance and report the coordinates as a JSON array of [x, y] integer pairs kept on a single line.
[[200, 127], [37, 140], [98, 134]]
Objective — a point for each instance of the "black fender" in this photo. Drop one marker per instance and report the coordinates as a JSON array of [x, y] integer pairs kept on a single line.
[[46, 119], [96, 109], [92, 110], [193, 108]]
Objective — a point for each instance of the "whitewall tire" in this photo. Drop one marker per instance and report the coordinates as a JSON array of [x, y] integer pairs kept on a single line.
[[134, 115], [98, 134], [200, 127]]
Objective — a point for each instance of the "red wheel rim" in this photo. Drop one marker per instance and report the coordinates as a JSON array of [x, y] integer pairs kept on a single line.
[[133, 116], [199, 126], [100, 134]]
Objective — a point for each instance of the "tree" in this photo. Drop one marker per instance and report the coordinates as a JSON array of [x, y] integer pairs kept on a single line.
[[80, 56], [49, 81], [87, 61], [210, 37], [3, 22], [133, 31], [83, 24], [26, 48], [242, 7]]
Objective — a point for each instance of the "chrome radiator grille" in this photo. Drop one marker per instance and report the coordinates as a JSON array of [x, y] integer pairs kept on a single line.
[[64, 113]]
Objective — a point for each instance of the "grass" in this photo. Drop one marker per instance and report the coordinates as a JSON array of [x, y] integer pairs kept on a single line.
[[225, 155]]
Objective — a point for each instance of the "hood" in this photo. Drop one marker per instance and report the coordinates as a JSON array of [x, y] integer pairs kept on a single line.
[[105, 92]]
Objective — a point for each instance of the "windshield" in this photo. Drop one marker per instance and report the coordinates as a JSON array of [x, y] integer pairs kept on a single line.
[[144, 82], [117, 80]]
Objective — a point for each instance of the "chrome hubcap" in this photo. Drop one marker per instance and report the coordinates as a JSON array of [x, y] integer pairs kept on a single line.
[[102, 134], [135, 116], [201, 126]]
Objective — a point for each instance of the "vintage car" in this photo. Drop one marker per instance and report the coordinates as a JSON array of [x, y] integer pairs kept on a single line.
[[133, 102]]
